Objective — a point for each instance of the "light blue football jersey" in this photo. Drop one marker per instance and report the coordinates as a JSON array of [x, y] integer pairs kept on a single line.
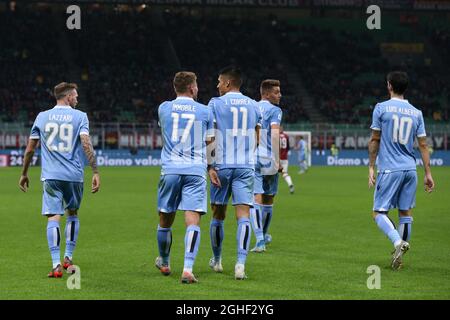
[[399, 123], [236, 117], [271, 115], [301, 144], [62, 155], [185, 125]]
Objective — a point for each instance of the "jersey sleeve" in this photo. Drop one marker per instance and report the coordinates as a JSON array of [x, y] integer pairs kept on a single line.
[[376, 118], [211, 107], [161, 108], [84, 125], [276, 116], [259, 117], [210, 125], [420, 132], [35, 132]]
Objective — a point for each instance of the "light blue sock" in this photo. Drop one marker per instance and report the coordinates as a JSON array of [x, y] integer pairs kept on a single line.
[[267, 211], [191, 243], [216, 235], [256, 221], [164, 236], [388, 228], [404, 227], [54, 239], [72, 228], [243, 239]]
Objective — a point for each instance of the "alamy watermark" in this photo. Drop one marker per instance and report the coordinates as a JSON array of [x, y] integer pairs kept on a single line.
[[374, 280], [73, 22], [232, 147], [374, 21], [74, 280]]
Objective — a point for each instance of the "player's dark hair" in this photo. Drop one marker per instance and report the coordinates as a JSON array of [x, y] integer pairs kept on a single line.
[[268, 85], [183, 80], [399, 81], [63, 89], [234, 74]]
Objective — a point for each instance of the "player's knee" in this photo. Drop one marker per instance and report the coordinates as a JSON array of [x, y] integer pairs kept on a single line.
[[374, 214], [71, 212], [54, 217], [218, 212], [192, 218], [267, 199], [405, 213], [219, 215], [166, 219], [259, 198]]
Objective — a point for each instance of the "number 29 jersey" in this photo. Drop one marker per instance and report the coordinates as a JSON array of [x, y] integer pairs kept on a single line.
[[400, 123], [59, 131]]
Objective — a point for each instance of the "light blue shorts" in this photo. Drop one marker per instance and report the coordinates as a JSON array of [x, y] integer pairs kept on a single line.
[[267, 185], [395, 190], [182, 192], [60, 195], [237, 182]]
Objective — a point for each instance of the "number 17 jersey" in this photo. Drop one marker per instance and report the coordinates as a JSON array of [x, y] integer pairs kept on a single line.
[[185, 127], [59, 131], [400, 123]]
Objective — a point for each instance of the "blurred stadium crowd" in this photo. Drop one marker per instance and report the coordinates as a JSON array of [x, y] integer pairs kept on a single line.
[[124, 59]]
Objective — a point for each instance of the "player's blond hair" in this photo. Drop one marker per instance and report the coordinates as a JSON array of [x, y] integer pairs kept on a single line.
[[183, 80], [63, 89], [268, 85]]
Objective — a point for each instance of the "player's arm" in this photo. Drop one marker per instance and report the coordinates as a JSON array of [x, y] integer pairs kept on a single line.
[[275, 128], [428, 180], [257, 135], [374, 146], [90, 156], [213, 176], [258, 126], [211, 148], [29, 153], [210, 157], [275, 122]]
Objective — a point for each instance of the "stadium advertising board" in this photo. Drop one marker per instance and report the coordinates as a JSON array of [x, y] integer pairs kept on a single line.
[[145, 158], [361, 158]]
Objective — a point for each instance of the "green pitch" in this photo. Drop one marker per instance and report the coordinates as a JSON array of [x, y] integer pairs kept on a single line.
[[324, 240]]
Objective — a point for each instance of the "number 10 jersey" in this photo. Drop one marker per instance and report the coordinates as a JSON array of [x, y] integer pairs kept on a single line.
[[400, 123]]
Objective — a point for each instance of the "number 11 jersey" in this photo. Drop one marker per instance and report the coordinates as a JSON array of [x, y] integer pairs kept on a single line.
[[236, 117]]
